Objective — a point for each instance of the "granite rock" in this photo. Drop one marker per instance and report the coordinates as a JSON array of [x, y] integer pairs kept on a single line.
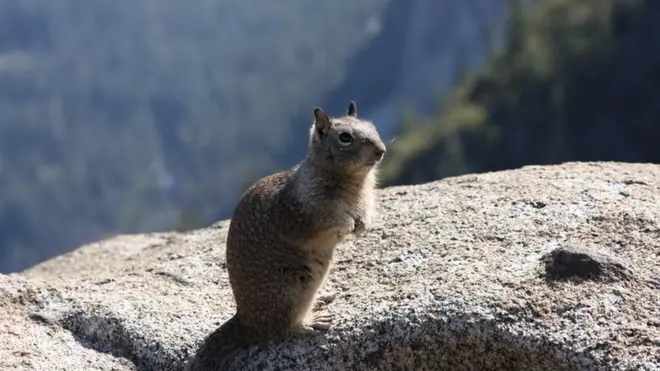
[[539, 268]]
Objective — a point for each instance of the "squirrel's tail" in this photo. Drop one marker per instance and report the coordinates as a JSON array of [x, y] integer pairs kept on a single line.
[[219, 349]]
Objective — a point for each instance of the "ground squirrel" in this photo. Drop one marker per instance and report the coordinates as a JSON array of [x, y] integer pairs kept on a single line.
[[283, 233]]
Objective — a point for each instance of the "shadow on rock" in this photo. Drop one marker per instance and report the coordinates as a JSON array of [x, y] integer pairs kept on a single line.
[[454, 343]]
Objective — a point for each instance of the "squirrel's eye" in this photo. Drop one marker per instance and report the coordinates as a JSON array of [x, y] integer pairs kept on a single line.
[[345, 138]]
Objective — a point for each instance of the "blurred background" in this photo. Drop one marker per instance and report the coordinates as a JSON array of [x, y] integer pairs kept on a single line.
[[130, 116]]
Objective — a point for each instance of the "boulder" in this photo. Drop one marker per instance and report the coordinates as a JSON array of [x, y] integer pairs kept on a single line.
[[538, 268]]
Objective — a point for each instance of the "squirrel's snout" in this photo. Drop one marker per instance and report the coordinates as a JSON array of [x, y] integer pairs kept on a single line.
[[379, 151]]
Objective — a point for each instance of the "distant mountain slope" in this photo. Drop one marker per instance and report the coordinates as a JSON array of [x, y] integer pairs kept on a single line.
[[119, 115]]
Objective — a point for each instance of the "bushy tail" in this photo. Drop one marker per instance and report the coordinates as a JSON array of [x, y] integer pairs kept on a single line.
[[220, 348]]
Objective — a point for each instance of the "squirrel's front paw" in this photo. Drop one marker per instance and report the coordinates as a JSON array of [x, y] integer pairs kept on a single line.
[[346, 226], [360, 227]]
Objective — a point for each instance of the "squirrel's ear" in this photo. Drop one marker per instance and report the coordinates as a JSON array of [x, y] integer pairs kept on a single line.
[[321, 121], [352, 109]]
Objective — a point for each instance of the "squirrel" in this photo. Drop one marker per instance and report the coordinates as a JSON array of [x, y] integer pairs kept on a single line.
[[283, 233]]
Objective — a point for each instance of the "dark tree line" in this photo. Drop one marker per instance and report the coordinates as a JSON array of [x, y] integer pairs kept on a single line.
[[577, 80]]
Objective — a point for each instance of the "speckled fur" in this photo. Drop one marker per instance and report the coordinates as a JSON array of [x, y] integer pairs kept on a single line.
[[283, 234]]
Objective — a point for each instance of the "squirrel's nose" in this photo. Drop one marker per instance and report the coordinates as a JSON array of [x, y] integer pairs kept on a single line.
[[379, 152]]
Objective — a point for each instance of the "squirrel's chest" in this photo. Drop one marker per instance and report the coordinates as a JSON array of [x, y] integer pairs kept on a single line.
[[359, 203]]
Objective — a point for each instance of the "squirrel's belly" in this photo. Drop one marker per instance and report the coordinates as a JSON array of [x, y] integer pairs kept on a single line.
[[324, 243]]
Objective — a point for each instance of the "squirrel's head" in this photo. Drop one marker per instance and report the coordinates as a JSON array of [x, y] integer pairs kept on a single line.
[[346, 144]]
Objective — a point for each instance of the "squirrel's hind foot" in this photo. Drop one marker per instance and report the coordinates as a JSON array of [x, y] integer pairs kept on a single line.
[[323, 300], [316, 322], [322, 321], [313, 327]]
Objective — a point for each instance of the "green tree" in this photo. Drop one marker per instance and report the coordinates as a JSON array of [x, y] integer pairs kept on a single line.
[[574, 82]]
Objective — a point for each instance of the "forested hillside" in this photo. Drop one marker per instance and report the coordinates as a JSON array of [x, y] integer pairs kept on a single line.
[[577, 80], [123, 116]]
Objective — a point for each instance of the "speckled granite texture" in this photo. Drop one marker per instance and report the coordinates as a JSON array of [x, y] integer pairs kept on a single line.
[[540, 268]]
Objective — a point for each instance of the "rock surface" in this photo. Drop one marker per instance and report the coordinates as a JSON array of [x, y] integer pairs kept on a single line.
[[540, 268]]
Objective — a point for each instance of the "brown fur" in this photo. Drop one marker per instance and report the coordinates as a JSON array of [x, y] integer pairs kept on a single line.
[[283, 234]]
